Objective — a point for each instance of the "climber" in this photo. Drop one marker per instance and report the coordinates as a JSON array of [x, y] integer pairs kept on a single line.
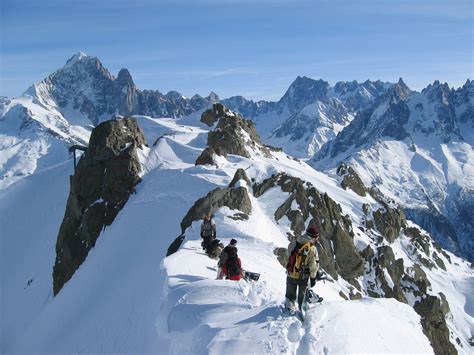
[[223, 257], [208, 232], [229, 264], [303, 264]]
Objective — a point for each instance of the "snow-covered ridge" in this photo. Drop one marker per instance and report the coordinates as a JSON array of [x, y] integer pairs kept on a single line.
[[127, 297], [418, 149]]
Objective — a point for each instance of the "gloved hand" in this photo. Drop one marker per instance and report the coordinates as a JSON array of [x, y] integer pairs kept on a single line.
[[312, 281]]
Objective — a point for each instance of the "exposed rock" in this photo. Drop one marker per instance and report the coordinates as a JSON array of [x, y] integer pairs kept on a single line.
[[355, 296], [211, 116], [351, 180], [234, 135], [173, 248], [206, 157], [239, 175], [389, 221], [343, 295], [419, 240], [281, 256], [432, 311], [239, 216], [104, 179], [439, 261], [261, 188], [350, 264], [386, 260], [234, 198], [416, 276], [337, 253]]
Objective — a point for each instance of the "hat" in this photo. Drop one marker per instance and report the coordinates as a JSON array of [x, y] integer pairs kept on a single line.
[[233, 241], [313, 231]]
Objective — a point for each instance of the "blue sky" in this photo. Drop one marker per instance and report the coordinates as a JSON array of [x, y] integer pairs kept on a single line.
[[251, 48]]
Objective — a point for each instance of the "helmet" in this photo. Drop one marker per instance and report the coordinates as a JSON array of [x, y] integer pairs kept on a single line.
[[313, 231]]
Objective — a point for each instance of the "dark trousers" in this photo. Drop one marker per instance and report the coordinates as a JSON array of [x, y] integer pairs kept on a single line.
[[296, 286], [206, 243]]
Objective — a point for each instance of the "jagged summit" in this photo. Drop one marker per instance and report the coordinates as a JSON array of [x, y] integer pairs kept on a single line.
[[78, 57], [304, 91]]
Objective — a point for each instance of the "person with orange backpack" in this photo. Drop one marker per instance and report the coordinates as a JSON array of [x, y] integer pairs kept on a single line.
[[302, 266]]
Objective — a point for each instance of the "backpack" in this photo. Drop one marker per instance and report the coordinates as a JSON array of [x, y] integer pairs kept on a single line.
[[232, 263], [297, 264]]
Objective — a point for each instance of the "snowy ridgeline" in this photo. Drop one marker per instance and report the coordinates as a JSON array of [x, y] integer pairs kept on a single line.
[[128, 298]]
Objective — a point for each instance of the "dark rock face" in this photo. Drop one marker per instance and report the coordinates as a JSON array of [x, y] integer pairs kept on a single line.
[[351, 180], [206, 157], [104, 179], [433, 310], [211, 116], [234, 198], [239, 175], [233, 135], [338, 255], [389, 221], [86, 85]]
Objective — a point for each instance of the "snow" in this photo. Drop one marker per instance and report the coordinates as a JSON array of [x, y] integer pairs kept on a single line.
[[127, 297]]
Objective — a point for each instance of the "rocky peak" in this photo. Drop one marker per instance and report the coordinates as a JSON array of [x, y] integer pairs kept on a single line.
[[82, 62], [304, 91], [106, 175], [212, 97], [77, 57], [174, 95], [398, 92], [125, 78], [437, 92], [232, 135]]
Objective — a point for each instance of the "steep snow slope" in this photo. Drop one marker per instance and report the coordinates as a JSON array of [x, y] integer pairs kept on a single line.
[[34, 136], [126, 297], [418, 149]]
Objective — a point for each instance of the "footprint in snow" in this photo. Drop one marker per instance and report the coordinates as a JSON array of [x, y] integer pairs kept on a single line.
[[294, 332]]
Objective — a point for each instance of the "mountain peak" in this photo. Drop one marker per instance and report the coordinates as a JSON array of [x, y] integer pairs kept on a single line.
[[125, 77], [304, 91], [79, 56], [212, 97], [400, 90]]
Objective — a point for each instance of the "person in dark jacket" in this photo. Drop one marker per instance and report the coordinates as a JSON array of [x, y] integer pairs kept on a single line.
[[208, 232], [230, 265]]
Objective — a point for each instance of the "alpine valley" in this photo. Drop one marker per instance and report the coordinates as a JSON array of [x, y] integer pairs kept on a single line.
[[102, 254]]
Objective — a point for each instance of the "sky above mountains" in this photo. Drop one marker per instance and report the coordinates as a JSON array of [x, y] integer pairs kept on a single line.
[[240, 47]]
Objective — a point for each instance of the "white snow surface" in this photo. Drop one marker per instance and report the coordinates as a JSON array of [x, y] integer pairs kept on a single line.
[[127, 297]]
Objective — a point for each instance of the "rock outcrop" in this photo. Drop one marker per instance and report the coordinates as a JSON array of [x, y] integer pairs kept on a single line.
[[105, 176], [337, 254], [232, 135], [433, 310], [351, 180], [375, 272], [236, 198]]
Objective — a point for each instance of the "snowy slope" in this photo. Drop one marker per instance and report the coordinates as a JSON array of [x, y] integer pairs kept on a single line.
[[309, 114], [419, 150], [127, 297], [35, 135], [52, 114]]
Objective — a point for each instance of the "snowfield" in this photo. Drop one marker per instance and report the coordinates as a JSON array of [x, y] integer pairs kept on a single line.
[[127, 297]]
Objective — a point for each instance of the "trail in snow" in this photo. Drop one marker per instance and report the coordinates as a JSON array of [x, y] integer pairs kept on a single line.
[[127, 297]]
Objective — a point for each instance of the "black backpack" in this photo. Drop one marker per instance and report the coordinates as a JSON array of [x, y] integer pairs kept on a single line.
[[232, 262]]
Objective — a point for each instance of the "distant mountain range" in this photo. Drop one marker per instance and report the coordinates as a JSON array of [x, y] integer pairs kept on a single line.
[[415, 146]]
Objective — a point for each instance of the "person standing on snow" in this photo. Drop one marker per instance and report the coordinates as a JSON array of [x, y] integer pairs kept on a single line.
[[303, 265], [208, 232]]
